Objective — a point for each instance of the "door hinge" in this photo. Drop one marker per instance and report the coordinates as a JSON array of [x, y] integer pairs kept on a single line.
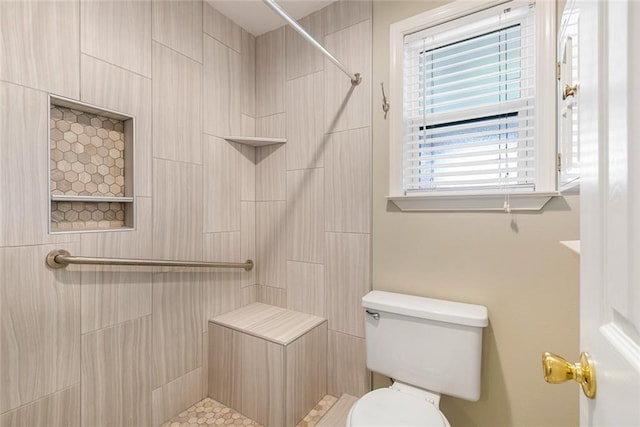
[[559, 163], [558, 70]]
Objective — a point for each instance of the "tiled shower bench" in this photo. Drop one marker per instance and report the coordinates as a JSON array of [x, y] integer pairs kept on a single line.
[[268, 363]]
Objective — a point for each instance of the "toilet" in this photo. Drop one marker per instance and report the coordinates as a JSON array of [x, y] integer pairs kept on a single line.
[[428, 347]]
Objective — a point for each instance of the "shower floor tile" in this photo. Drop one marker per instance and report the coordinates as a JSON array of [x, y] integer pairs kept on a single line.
[[210, 412], [312, 418]]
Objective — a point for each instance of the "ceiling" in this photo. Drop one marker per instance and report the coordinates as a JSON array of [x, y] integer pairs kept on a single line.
[[257, 18]]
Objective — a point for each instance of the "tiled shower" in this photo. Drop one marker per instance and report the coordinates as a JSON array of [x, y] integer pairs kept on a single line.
[[93, 346]]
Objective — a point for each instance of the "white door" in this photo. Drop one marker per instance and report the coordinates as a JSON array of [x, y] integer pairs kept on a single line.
[[609, 102]]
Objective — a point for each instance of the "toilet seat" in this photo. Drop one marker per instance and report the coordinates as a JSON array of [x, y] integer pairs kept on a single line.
[[389, 407]]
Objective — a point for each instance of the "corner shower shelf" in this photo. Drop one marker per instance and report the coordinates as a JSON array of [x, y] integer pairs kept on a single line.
[[574, 245], [256, 141]]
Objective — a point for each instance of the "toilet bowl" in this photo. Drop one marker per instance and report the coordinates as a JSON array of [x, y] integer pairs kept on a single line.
[[398, 406], [429, 347]]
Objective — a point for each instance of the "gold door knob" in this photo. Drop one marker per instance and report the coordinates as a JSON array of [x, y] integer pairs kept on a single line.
[[557, 370], [569, 91]]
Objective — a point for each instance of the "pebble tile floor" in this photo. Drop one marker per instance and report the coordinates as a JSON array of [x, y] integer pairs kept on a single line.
[[210, 412]]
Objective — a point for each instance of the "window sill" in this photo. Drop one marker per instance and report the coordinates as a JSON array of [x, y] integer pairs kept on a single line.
[[473, 202]]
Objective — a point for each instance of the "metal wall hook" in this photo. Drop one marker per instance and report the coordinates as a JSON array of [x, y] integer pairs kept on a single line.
[[385, 102]]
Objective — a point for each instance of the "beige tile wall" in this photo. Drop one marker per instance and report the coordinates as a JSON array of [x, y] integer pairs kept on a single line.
[[40, 335], [270, 73], [116, 374], [313, 214], [118, 344], [40, 45], [115, 88], [118, 33], [57, 409], [24, 171]]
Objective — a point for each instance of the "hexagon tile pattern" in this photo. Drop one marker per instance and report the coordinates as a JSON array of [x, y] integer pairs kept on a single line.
[[86, 215], [211, 412], [87, 159], [87, 154]]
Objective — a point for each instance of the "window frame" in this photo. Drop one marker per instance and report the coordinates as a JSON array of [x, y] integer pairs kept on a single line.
[[545, 124]]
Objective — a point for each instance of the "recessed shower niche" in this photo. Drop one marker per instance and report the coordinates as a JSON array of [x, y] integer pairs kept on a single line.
[[91, 167]]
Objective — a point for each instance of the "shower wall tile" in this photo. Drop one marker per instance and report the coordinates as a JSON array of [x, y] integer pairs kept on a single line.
[[40, 317], [177, 211], [247, 171], [271, 243], [110, 298], [222, 287], [274, 126], [217, 88], [225, 247], [24, 208], [248, 239], [248, 51], [112, 295], [176, 396], [271, 296], [222, 28], [118, 33], [270, 73], [220, 297], [306, 373], [222, 160], [247, 125], [235, 92], [306, 287], [250, 363], [305, 215], [250, 294], [117, 89], [116, 375], [347, 106], [347, 368], [271, 175], [348, 181], [177, 330], [177, 111], [37, 39], [302, 57], [178, 25], [58, 409], [204, 370], [305, 127], [344, 13], [347, 279]]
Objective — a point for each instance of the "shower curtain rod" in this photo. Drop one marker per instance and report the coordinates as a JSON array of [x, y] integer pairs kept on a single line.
[[59, 258], [355, 78]]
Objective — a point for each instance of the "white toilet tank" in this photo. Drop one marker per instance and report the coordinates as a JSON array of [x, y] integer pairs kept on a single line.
[[432, 344]]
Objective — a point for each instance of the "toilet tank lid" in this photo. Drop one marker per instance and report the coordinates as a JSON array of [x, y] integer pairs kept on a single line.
[[427, 308]]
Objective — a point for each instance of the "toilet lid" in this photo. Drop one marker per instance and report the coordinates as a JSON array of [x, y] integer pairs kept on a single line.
[[388, 407]]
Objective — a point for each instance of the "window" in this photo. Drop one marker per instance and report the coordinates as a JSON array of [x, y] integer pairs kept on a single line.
[[473, 121], [568, 112]]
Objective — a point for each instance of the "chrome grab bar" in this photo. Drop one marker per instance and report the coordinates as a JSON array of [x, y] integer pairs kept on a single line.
[[59, 258]]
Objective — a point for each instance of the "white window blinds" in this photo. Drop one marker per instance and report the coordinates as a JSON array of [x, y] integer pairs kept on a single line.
[[468, 121]]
